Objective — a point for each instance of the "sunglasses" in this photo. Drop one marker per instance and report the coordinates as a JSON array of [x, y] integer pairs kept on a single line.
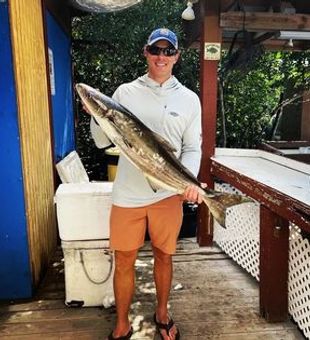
[[167, 51]]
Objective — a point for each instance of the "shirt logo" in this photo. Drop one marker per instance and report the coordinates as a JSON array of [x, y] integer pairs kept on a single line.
[[173, 114]]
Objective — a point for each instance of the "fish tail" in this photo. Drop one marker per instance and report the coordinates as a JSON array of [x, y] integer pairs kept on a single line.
[[219, 203]]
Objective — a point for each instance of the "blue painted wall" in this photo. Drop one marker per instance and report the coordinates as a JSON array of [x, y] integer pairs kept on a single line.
[[62, 105], [15, 270], [15, 273]]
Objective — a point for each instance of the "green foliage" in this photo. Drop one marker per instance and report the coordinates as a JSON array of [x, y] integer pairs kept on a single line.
[[251, 98], [108, 47]]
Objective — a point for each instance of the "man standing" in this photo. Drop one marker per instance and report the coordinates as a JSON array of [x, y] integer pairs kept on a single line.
[[167, 107]]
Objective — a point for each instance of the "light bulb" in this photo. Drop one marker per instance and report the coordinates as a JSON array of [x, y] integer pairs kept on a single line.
[[188, 13], [290, 43]]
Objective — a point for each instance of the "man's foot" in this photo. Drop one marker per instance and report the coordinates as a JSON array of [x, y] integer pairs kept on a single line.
[[123, 337], [167, 331]]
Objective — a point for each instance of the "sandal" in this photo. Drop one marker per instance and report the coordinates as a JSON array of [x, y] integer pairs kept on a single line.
[[124, 337], [167, 327]]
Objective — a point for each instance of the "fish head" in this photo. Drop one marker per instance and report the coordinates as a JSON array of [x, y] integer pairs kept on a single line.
[[96, 103]]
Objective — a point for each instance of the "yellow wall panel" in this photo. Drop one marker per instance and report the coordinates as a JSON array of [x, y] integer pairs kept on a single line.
[[27, 35]]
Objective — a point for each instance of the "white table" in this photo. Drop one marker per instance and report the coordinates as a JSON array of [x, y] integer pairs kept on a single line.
[[282, 187]]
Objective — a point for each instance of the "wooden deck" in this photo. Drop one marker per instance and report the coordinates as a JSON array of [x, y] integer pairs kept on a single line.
[[217, 300]]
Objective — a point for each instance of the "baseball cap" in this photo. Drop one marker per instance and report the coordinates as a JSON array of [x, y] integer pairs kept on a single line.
[[163, 34]]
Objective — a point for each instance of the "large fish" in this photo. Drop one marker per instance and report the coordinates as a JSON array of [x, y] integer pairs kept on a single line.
[[149, 152]]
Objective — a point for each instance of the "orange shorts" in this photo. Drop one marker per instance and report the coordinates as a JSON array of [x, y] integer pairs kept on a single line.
[[163, 220]]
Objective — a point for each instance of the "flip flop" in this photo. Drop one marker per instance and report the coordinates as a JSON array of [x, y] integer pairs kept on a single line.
[[167, 327], [124, 337]]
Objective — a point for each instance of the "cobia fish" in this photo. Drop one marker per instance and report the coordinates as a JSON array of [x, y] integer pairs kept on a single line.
[[149, 152]]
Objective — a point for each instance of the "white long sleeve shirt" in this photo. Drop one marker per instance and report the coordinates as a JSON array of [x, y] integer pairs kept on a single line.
[[171, 110]]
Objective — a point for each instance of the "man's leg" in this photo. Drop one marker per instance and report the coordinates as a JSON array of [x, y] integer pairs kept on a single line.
[[163, 280], [124, 286]]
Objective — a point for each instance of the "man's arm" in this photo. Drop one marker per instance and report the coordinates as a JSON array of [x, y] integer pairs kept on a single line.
[[191, 152], [191, 142], [100, 138]]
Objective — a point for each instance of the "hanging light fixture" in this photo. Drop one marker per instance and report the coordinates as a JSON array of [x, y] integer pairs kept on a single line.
[[290, 43], [103, 6], [188, 13]]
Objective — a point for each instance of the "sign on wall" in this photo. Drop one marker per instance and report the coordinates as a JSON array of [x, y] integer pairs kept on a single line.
[[51, 71], [212, 51]]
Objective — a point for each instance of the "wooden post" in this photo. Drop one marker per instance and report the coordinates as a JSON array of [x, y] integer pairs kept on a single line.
[[274, 250], [305, 118], [32, 92], [208, 94]]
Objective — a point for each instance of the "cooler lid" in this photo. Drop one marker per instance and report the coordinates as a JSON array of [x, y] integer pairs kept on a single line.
[[85, 244], [91, 188], [71, 169]]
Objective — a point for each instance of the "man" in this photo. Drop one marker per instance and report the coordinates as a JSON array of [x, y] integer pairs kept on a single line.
[[174, 112]]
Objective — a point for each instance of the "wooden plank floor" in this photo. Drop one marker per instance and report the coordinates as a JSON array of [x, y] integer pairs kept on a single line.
[[216, 300]]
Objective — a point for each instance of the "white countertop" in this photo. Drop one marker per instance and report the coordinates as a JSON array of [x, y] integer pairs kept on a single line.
[[287, 176]]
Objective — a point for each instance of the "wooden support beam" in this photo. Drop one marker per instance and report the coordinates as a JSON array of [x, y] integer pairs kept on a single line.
[[32, 92], [211, 32], [264, 21], [305, 118], [274, 250], [62, 12]]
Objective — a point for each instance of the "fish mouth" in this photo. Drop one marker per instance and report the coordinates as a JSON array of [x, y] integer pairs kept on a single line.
[[90, 98], [82, 90]]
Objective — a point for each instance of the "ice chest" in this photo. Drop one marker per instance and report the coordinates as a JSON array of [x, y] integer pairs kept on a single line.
[[89, 269], [83, 210]]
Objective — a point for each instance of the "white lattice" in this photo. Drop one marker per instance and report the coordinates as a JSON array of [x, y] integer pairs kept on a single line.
[[299, 280], [240, 240]]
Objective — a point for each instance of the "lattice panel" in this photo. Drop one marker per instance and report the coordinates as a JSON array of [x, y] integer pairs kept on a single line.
[[299, 280], [240, 239]]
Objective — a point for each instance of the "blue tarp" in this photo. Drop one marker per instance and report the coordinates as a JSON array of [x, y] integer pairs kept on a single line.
[[59, 45], [15, 271]]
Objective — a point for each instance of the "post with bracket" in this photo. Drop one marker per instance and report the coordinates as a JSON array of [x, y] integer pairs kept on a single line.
[[274, 257]]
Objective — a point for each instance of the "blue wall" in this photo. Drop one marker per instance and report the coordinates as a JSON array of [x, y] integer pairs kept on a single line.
[[62, 106], [15, 273], [15, 270]]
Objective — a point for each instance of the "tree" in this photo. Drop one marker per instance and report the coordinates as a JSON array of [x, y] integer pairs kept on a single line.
[[251, 96]]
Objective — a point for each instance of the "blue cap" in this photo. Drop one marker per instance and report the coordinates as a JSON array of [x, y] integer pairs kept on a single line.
[[163, 34]]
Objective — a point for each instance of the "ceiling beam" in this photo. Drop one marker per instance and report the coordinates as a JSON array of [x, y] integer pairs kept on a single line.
[[264, 21]]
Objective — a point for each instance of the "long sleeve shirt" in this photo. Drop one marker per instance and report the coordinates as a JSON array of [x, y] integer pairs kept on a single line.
[[171, 110]]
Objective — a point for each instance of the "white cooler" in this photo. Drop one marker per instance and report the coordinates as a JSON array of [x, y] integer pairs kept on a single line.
[[83, 213], [83, 210], [89, 268]]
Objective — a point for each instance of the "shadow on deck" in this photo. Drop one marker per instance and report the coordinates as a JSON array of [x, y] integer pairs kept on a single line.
[[211, 298]]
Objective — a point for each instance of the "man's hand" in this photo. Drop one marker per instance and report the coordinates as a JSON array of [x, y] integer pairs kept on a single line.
[[86, 109], [191, 193]]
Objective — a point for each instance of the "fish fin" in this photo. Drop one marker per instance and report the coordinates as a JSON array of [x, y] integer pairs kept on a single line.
[[219, 203], [217, 209], [166, 144]]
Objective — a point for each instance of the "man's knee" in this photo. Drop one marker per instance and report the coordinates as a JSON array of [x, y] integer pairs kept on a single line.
[[125, 259], [159, 255]]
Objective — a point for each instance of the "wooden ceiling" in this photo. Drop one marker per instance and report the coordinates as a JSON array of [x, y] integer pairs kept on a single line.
[[263, 19]]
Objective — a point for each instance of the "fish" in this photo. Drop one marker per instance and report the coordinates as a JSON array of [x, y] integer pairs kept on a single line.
[[150, 152]]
